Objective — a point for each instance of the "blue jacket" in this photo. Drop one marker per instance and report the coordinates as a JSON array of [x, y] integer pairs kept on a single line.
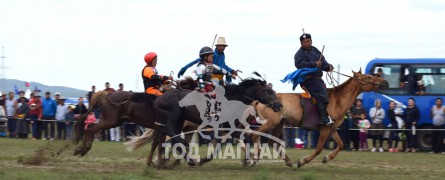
[[218, 59], [49, 107]]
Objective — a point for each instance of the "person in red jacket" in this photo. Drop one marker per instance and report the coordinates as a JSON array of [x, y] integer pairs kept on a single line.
[[152, 80], [35, 116]]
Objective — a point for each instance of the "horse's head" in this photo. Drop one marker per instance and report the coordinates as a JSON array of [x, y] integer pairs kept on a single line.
[[255, 89], [370, 82]]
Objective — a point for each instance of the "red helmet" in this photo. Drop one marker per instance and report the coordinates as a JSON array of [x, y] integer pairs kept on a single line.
[[150, 56]]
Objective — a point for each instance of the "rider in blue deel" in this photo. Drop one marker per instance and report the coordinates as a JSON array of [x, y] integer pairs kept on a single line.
[[308, 56]]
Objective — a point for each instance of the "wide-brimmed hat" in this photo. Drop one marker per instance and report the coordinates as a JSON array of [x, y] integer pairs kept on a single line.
[[62, 98], [20, 98], [37, 95], [221, 41]]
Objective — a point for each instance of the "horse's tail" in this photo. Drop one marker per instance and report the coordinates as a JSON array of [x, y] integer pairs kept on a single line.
[[137, 142], [187, 83]]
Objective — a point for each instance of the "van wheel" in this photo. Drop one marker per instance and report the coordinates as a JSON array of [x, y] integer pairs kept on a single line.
[[425, 139]]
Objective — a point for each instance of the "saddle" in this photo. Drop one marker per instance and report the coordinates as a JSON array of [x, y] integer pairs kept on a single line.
[[310, 117]]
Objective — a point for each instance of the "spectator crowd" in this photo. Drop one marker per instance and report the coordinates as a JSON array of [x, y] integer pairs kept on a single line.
[[359, 126], [50, 118]]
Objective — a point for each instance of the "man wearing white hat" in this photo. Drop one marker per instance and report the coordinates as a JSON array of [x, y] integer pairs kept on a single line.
[[218, 59]]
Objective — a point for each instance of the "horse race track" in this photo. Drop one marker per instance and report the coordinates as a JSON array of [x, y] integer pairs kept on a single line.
[[110, 160]]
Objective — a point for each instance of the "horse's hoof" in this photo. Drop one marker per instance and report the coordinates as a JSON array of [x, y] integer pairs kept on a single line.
[[176, 163], [254, 162], [205, 160], [289, 164], [245, 162], [325, 159], [191, 163], [76, 152], [299, 164]]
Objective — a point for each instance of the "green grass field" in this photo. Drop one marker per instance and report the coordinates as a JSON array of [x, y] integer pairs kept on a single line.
[[110, 160]]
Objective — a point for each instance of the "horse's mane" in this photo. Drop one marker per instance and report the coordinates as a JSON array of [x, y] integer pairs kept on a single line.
[[238, 88], [187, 83], [251, 82], [341, 86], [143, 98]]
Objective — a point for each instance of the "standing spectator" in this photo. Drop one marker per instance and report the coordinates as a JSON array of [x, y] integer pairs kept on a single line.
[[302, 134], [356, 111], [62, 110], [3, 100], [438, 116], [80, 108], [344, 133], [69, 122], [34, 115], [412, 116], [38, 112], [377, 115], [363, 124], [91, 93], [129, 127], [106, 133], [289, 134], [394, 135], [107, 87], [115, 133], [11, 106], [57, 98], [49, 112], [22, 114]]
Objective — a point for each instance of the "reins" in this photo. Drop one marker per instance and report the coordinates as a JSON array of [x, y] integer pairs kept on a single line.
[[331, 80]]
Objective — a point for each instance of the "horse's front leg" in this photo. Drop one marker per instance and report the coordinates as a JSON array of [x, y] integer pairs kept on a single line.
[[339, 147], [200, 128], [324, 134], [278, 133], [88, 138]]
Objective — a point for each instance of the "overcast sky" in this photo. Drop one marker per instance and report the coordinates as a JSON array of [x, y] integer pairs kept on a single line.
[[83, 43]]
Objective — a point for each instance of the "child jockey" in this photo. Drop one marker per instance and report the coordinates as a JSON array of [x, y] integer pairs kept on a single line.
[[206, 71], [152, 81]]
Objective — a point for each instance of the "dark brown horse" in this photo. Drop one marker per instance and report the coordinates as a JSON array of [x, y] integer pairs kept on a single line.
[[116, 108], [173, 116], [341, 99]]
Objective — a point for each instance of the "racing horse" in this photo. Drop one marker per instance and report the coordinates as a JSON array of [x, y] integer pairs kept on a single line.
[[341, 99], [116, 108], [173, 115]]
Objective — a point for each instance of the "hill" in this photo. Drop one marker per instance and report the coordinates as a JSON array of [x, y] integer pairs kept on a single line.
[[65, 91]]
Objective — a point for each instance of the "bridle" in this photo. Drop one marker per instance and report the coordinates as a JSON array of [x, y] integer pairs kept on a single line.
[[332, 81]]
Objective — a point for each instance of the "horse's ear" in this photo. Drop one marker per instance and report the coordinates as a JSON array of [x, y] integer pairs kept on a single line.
[[354, 73], [360, 71]]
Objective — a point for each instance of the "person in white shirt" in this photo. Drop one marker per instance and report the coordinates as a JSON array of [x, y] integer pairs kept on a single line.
[[438, 116], [377, 114], [11, 106], [61, 111]]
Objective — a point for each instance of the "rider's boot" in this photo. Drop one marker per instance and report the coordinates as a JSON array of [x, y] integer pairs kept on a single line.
[[324, 117]]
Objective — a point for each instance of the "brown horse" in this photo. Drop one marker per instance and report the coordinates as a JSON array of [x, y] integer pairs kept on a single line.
[[116, 108], [341, 99]]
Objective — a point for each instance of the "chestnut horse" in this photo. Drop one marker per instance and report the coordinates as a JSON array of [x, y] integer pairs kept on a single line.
[[341, 99]]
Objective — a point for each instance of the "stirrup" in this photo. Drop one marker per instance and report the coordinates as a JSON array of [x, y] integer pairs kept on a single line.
[[159, 124]]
